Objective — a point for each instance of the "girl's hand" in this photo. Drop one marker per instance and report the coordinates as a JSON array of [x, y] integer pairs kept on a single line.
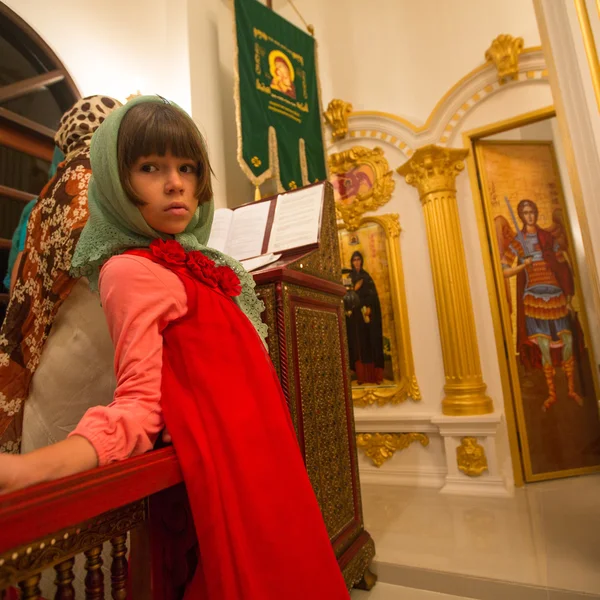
[[12, 473]]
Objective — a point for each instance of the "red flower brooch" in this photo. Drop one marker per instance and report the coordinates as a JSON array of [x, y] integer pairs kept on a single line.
[[170, 251], [201, 267]]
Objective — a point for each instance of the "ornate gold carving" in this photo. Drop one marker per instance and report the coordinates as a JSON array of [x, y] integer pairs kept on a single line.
[[325, 262], [336, 116], [380, 396], [405, 380], [294, 296], [504, 53], [326, 442], [470, 457], [26, 561], [310, 362], [355, 570], [432, 170], [380, 447], [413, 391], [347, 169]]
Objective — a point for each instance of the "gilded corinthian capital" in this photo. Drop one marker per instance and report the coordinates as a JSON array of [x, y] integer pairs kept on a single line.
[[504, 53], [433, 169], [336, 116]]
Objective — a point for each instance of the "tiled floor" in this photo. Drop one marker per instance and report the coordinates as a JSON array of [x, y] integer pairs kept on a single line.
[[546, 540]]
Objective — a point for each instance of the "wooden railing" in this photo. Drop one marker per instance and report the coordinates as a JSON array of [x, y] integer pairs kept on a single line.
[[48, 525]]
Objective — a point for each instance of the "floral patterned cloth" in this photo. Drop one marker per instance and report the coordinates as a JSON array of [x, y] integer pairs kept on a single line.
[[43, 281]]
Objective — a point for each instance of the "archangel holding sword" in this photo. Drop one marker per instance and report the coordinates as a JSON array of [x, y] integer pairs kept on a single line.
[[538, 258]]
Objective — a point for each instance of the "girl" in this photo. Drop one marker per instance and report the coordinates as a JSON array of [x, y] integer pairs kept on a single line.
[[190, 358]]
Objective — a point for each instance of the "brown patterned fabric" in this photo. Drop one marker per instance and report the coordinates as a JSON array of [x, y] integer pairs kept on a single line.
[[43, 280]]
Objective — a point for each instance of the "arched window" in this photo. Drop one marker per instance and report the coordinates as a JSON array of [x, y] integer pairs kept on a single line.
[[35, 90]]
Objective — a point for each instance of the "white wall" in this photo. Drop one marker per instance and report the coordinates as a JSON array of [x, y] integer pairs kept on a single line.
[[115, 47], [180, 49], [401, 56]]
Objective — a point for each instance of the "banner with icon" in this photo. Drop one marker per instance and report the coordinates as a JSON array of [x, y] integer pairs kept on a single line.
[[277, 99]]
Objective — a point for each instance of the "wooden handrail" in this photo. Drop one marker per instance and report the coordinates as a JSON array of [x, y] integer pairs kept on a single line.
[[49, 507]]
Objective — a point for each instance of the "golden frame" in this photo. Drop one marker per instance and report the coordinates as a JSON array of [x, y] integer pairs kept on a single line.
[[405, 379], [341, 163], [590, 44], [501, 319]]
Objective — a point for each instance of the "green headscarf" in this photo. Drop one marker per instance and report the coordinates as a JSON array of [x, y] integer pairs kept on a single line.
[[115, 224]]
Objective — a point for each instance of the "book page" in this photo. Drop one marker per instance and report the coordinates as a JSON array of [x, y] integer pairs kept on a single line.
[[219, 232], [247, 231], [252, 264], [297, 219]]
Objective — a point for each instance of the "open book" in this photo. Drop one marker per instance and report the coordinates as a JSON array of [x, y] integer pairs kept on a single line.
[[256, 234]]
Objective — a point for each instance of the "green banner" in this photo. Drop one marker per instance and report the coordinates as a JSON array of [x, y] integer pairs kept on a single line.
[[277, 99]]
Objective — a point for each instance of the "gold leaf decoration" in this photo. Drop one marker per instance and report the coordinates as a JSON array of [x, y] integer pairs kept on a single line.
[[471, 458], [380, 447], [504, 53]]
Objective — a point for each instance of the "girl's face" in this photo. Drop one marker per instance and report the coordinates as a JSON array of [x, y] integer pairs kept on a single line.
[[357, 263], [166, 184]]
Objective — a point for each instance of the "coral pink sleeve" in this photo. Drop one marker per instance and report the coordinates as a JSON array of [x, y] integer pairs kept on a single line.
[[140, 298]]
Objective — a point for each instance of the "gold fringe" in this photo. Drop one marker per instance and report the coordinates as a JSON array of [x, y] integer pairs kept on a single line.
[[303, 163], [274, 159]]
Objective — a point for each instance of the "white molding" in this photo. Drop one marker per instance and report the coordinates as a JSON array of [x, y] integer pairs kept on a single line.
[[416, 476], [480, 425], [488, 430], [489, 487], [373, 421], [457, 98]]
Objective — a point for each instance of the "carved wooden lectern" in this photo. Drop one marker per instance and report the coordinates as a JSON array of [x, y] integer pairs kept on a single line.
[[307, 342]]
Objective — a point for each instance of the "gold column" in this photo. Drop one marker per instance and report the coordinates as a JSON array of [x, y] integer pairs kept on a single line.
[[433, 170]]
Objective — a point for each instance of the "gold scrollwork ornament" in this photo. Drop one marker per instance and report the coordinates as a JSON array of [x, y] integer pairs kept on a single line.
[[380, 447], [336, 116], [504, 53], [471, 458], [343, 163]]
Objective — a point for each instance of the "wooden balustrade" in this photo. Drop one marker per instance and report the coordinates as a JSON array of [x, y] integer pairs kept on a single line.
[[46, 526]]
